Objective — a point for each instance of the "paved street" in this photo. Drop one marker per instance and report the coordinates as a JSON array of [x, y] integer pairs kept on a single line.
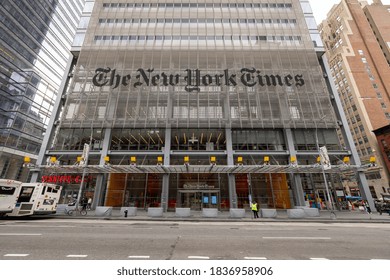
[[60, 239]]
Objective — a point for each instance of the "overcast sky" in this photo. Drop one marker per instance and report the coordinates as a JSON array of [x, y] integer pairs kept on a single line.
[[322, 7]]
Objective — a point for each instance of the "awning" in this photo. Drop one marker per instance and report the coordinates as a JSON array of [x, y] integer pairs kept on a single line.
[[168, 169]]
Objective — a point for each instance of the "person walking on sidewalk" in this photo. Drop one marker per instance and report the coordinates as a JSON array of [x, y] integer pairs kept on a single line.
[[89, 204], [255, 210], [367, 206], [84, 203]]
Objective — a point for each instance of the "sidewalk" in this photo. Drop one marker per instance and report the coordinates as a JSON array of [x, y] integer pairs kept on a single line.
[[224, 216]]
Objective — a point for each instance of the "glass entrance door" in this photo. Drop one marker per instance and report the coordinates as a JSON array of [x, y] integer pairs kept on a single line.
[[191, 200], [197, 200], [210, 199]]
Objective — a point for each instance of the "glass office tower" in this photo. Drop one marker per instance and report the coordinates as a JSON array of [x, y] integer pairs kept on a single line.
[[35, 39], [196, 104]]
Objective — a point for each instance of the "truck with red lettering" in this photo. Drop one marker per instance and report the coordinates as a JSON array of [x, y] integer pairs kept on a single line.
[[30, 199]]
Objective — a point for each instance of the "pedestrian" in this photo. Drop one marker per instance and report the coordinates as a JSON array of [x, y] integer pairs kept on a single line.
[[349, 206], [84, 203], [368, 209], [89, 203], [255, 210]]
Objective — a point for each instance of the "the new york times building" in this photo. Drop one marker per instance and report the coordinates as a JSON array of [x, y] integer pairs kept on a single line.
[[199, 104]]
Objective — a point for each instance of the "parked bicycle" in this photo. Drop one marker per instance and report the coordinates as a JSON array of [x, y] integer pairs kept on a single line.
[[73, 211], [76, 212]]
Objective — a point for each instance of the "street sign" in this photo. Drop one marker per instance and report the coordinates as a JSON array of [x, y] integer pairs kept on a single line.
[[324, 157]]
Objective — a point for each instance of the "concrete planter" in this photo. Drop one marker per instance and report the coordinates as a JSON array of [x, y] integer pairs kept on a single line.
[[103, 211], [237, 213], [210, 212], [311, 212], [183, 212], [131, 211], [155, 211], [296, 213], [268, 213]]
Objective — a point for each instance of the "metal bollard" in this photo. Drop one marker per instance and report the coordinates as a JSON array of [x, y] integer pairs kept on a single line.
[[126, 213]]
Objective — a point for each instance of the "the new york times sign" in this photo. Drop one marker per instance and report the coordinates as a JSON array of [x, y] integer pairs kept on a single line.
[[194, 79]]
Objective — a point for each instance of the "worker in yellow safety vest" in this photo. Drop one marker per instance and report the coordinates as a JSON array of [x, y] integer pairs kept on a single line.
[[255, 210]]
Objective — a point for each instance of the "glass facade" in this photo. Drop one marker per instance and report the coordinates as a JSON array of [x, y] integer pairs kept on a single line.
[[174, 79], [178, 65], [35, 39]]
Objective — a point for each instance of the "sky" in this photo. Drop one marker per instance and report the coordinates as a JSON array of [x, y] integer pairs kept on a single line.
[[322, 7]]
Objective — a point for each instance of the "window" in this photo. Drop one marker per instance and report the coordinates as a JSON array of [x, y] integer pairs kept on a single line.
[[373, 176], [25, 194], [358, 118], [372, 191], [294, 112], [72, 111], [20, 172], [7, 190]]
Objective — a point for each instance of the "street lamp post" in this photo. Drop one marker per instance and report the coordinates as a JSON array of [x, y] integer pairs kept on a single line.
[[332, 213], [84, 162]]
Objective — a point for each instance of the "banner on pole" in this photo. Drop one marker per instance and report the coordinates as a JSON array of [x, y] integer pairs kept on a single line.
[[324, 157]]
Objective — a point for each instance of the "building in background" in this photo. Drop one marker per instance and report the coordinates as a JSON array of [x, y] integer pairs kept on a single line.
[[35, 39], [199, 104], [357, 43], [383, 136]]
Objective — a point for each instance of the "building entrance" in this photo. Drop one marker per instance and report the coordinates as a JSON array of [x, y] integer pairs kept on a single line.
[[198, 191], [197, 200]]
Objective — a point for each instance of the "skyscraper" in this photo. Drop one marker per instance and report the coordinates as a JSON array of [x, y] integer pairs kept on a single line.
[[35, 39], [356, 38], [198, 104]]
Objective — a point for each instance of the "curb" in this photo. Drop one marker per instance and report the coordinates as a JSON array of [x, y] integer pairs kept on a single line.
[[226, 220]]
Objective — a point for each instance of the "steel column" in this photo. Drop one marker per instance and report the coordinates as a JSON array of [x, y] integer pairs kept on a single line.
[[165, 182], [230, 161], [295, 178], [101, 178]]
